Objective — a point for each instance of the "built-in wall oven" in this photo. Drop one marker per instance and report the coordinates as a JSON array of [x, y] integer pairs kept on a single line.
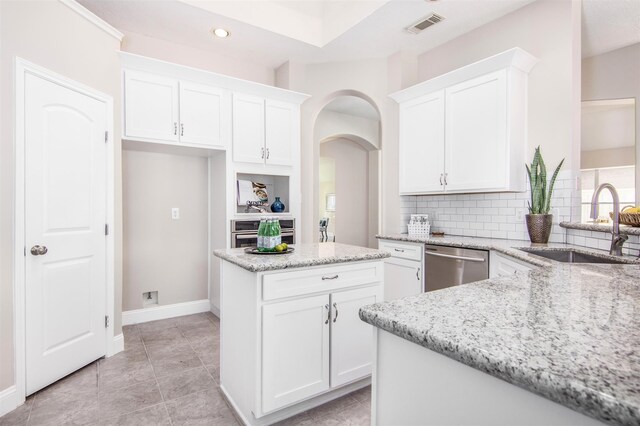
[[244, 232]]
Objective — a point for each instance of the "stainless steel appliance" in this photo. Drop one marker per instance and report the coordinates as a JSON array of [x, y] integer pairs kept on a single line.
[[451, 266], [244, 233]]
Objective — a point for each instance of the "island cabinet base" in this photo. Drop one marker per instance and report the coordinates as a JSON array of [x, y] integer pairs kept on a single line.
[[292, 339], [413, 385]]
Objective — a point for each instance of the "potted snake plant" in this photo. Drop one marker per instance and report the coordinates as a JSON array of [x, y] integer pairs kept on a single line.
[[539, 220]]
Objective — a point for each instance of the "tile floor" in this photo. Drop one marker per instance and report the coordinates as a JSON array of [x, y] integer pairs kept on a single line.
[[167, 375]]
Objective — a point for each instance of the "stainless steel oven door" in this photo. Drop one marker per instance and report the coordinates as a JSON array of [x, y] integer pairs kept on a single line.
[[241, 240]]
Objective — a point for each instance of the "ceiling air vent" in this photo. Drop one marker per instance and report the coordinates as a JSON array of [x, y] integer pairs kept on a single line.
[[425, 23]]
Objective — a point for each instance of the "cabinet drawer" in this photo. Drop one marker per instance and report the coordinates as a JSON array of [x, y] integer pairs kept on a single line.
[[307, 281], [410, 251]]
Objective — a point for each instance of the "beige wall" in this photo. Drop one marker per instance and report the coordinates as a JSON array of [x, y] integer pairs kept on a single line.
[[53, 36], [615, 75], [351, 218], [185, 55], [547, 30], [160, 253], [611, 157]]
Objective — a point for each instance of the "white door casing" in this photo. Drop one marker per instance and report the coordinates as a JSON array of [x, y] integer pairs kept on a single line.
[[67, 110], [351, 338]]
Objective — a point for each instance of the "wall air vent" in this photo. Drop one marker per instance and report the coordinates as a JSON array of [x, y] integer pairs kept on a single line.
[[425, 23]]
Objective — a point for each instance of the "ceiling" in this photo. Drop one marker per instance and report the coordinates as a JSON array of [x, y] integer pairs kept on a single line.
[[608, 25], [374, 29]]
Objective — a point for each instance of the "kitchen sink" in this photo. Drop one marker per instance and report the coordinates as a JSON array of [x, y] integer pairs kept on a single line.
[[571, 256]]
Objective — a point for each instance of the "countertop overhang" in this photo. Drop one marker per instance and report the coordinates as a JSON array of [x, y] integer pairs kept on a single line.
[[568, 332], [304, 255]]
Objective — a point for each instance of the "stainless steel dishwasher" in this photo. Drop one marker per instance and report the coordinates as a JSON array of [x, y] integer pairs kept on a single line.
[[451, 266]]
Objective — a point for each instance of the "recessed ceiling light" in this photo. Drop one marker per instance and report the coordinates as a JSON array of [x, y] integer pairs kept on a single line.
[[221, 32]]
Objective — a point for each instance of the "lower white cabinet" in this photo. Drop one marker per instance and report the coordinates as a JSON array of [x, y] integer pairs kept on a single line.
[[404, 270], [500, 264], [292, 339], [295, 350]]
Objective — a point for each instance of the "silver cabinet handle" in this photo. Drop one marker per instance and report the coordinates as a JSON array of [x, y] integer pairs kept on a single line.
[[440, 179], [267, 153], [418, 274], [181, 129], [335, 306], [328, 314], [399, 250], [448, 256], [175, 128], [330, 278], [262, 155], [445, 179], [39, 250]]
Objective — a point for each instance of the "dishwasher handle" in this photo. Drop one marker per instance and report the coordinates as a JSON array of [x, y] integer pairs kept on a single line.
[[448, 256]]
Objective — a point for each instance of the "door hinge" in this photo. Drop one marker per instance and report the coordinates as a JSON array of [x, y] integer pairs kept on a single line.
[[106, 321], [106, 229], [106, 136]]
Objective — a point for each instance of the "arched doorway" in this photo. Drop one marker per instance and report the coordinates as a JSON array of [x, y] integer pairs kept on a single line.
[[347, 131]]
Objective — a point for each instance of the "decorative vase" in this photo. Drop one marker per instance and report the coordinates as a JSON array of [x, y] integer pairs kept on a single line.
[[539, 227], [277, 206]]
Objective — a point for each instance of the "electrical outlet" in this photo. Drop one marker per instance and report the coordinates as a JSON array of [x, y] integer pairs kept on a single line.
[[520, 213], [175, 213]]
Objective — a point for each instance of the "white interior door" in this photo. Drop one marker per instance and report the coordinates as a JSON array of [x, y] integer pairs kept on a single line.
[[65, 211], [351, 338]]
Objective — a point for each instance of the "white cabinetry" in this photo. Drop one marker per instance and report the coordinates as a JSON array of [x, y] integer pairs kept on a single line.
[[295, 337], [422, 144], [500, 264], [465, 131], [167, 110], [404, 270], [263, 130], [150, 107]]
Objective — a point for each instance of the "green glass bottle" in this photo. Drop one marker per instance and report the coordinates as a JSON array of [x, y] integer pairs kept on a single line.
[[261, 234]]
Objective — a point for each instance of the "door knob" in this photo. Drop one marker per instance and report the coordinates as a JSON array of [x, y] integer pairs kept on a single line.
[[39, 250]]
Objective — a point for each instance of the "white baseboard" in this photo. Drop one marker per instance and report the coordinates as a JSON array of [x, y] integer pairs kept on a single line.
[[163, 312], [215, 310], [118, 344], [10, 400]]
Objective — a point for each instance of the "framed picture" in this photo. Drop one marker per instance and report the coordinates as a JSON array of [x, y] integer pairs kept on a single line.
[[331, 203]]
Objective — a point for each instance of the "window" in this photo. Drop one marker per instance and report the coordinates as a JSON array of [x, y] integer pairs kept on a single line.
[[623, 178]]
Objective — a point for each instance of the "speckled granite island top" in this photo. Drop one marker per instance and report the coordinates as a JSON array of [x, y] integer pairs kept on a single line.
[[570, 333], [305, 255]]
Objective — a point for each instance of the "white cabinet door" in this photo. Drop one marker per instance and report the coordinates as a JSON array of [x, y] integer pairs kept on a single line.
[[351, 338], [422, 144], [200, 115], [505, 265], [476, 134], [280, 135], [295, 345], [402, 278], [150, 107], [248, 129]]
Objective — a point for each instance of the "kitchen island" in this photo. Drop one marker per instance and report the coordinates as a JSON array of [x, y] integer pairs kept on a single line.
[[559, 344], [291, 337]]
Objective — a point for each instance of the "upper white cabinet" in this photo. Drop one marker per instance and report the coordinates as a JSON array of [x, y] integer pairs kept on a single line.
[[151, 107], [465, 131], [166, 110], [263, 130], [201, 115]]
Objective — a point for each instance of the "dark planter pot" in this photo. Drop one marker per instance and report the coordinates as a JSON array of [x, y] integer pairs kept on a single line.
[[539, 227]]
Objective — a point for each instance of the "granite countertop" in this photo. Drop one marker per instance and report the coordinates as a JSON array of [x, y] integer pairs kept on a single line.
[[601, 227], [305, 255], [568, 332]]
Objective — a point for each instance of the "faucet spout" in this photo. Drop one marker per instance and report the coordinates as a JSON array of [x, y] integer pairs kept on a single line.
[[617, 240]]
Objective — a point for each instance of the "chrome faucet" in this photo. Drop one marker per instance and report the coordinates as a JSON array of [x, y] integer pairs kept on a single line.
[[617, 240]]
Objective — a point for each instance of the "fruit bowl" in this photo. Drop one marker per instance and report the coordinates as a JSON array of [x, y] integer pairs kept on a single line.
[[628, 216]]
